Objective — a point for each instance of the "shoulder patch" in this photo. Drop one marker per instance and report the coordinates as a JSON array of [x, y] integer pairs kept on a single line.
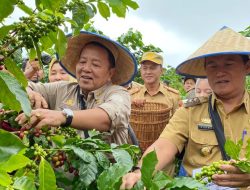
[[171, 89], [195, 101], [134, 90]]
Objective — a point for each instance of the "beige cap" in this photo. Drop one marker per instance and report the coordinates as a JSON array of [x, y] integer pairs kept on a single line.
[[153, 57]]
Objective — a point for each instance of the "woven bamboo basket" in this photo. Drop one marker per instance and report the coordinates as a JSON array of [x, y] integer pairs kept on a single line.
[[149, 121]]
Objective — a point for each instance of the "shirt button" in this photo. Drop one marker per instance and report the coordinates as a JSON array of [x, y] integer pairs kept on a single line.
[[205, 151]]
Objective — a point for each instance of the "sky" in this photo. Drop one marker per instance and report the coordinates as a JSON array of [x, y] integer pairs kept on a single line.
[[178, 27]]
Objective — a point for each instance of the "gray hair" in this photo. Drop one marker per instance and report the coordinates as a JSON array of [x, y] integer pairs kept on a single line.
[[198, 82]]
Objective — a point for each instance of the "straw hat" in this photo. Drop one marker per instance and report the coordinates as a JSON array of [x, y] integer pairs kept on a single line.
[[225, 41], [153, 57], [125, 62]]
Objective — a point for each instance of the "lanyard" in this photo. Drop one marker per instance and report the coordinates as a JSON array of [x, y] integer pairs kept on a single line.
[[82, 104], [218, 128]]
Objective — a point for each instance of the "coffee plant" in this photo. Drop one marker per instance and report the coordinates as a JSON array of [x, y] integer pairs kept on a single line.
[[58, 158], [233, 150], [54, 160], [42, 28], [205, 176]]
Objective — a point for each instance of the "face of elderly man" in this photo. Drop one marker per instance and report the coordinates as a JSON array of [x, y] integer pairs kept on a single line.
[[93, 69], [226, 74]]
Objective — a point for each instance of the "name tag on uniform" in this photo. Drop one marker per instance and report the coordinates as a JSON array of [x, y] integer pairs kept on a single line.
[[205, 127]]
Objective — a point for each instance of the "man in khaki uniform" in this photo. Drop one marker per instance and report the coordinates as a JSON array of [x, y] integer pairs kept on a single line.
[[189, 86], [98, 64], [153, 90], [224, 59]]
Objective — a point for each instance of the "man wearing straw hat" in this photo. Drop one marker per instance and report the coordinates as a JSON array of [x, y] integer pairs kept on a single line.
[[224, 59], [153, 90], [96, 101]]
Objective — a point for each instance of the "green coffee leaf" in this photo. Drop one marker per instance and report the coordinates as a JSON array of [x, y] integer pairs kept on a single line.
[[247, 155], [123, 157], [5, 179], [88, 171], [180, 183], [13, 94], [15, 162], [32, 54], [59, 140], [111, 178], [120, 10], [102, 160], [10, 145], [60, 43], [46, 42], [4, 30], [243, 165], [148, 167], [51, 5], [103, 9], [232, 149], [25, 9], [160, 180], [2, 188], [79, 15], [24, 183], [6, 8], [84, 155], [138, 186], [131, 4], [16, 71], [47, 179]]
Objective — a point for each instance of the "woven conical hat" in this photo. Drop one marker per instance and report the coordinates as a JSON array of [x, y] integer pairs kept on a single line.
[[225, 41], [125, 62]]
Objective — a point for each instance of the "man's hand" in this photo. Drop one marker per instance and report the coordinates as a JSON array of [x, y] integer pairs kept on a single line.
[[42, 117], [130, 179], [32, 69], [233, 178], [139, 102], [35, 65], [37, 100]]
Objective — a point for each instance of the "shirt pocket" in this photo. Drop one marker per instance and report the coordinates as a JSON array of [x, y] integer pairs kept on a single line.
[[202, 148]]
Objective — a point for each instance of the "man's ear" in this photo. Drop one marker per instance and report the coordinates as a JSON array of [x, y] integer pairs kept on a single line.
[[162, 70], [248, 66], [112, 72]]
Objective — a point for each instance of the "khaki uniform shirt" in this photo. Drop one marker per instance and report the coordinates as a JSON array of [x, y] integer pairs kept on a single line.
[[201, 146], [113, 99], [164, 95], [176, 96], [134, 87]]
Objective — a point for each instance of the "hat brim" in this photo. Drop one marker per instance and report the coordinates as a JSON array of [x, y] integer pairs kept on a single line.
[[125, 62], [223, 42], [195, 67]]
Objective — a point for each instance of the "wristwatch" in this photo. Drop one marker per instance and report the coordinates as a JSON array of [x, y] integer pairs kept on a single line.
[[68, 113]]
